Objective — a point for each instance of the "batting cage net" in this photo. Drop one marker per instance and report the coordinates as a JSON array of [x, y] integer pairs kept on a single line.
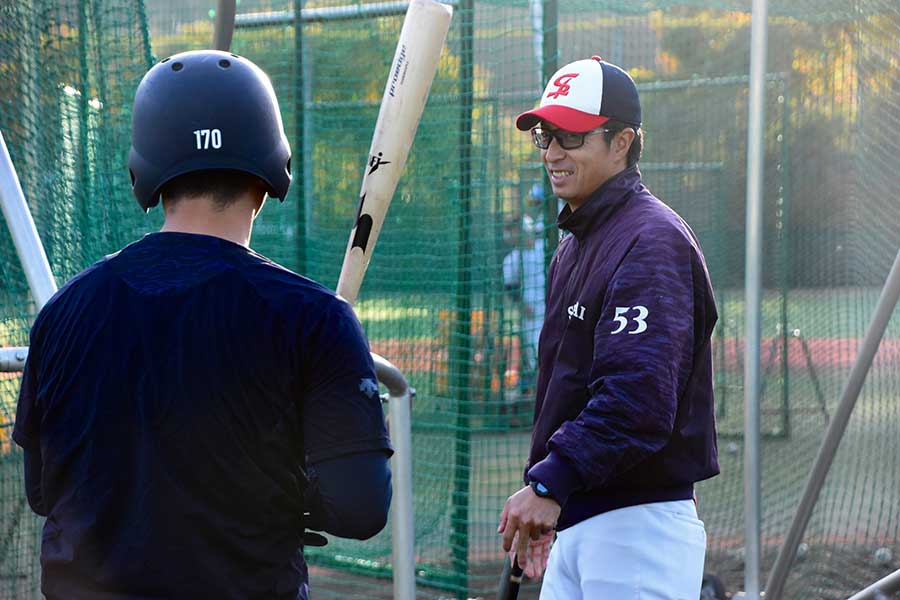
[[452, 293]]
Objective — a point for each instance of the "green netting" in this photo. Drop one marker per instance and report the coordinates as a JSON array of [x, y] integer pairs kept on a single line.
[[68, 73], [434, 300]]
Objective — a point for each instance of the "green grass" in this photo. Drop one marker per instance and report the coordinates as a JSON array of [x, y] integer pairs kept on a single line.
[[816, 312]]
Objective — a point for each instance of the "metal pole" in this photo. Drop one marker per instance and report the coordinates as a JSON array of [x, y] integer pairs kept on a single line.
[[880, 589], [550, 49], [784, 225], [304, 142], [224, 29], [883, 311], [537, 37], [753, 304], [24, 234], [327, 14], [402, 522], [86, 202], [461, 346]]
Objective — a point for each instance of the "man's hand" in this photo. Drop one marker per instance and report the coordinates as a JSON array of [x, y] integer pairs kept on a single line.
[[534, 561], [528, 523]]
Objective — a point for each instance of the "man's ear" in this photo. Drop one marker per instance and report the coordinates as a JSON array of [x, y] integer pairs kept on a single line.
[[623, 141]]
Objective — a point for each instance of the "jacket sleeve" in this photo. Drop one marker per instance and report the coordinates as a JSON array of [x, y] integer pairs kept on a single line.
[[642, 359]]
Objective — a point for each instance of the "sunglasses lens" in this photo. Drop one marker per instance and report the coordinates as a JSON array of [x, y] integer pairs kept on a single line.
[[541, 138], [570, 141]]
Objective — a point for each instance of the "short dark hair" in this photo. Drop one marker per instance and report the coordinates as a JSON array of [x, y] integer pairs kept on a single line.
[[225, 186], [637, 145]]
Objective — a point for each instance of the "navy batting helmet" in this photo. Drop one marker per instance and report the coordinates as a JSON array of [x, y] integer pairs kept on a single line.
[[206, 110]]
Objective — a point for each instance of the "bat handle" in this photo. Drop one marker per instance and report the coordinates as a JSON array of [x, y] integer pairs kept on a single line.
[[510, 580]]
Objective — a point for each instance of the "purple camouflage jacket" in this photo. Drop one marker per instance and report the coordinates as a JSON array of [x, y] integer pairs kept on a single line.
[[624, 411]]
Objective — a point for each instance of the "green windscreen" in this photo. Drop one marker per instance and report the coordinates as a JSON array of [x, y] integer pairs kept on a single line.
[[435, 301]]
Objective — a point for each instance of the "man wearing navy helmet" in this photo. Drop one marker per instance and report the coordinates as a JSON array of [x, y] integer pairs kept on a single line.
[[624, 422], [189, 408]]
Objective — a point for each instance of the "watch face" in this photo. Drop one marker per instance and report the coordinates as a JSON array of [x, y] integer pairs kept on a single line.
[[540, 489]]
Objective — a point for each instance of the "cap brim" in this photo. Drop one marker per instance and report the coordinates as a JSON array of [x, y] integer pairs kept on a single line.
[[563, 117]]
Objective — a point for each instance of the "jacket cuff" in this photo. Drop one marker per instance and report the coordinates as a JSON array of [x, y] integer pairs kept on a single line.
[[557, 475]]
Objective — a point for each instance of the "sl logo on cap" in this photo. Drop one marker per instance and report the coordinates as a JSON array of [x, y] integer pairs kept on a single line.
[[562, 85]]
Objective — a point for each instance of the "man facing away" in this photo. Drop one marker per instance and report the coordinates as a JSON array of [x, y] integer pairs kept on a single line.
[[189, 408], [624, 420]]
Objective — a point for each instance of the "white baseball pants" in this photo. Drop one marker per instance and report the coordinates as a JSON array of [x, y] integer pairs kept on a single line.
[[644, 552]]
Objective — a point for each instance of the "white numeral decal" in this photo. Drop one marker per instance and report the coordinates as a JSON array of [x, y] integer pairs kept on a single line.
[[621, 320], [207, 138], [639, 320], [641, 323]]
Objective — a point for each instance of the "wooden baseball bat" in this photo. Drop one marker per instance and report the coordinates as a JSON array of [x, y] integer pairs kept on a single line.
[[405, 93]]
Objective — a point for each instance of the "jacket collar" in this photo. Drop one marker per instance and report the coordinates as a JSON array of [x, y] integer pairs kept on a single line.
[[601, 204]]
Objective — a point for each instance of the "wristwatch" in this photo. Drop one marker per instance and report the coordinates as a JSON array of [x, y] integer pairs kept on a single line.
[[540, 489]]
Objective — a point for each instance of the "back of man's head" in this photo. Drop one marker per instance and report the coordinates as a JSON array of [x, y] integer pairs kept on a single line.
[[221, 187]]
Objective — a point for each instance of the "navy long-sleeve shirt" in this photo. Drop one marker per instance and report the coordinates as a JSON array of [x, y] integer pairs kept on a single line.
[[176, 397], [624, 411]]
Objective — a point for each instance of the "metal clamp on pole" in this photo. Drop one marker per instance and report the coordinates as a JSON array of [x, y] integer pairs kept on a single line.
[[12, 360], [402, 531]]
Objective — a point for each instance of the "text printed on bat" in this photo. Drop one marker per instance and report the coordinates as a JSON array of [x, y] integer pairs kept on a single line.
[[401, 59]]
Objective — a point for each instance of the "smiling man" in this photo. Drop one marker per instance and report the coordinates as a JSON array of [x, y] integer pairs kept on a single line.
[[624, 420]]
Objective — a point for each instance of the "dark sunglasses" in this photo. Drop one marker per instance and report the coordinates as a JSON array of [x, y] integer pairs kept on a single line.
[[567, 140]]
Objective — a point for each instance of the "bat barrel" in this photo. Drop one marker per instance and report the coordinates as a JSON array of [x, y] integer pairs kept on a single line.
[[406, 91]]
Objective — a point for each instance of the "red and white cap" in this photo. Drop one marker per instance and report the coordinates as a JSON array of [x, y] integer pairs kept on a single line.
[[584, 95]]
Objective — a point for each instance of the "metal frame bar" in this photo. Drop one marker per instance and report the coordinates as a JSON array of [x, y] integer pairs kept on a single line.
[[753, 304], [24, 233], [549, 65], [304, 136], [887, 302], [880, 589], [224, 28], [461, 345], [402, 523], [333, 13], [785, 266]]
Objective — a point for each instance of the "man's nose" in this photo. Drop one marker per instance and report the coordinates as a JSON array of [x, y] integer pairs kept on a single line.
[[554, 151]]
